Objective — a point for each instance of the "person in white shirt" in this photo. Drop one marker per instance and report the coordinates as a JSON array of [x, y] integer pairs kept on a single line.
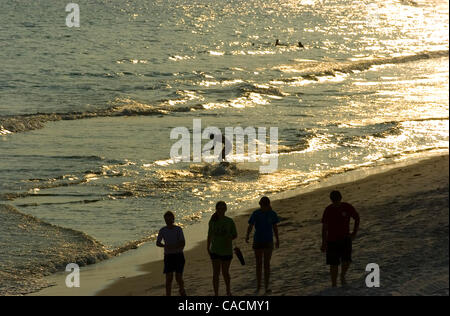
[[173, 245]]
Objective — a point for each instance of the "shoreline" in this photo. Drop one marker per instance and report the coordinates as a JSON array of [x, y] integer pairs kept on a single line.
[[150, 280]]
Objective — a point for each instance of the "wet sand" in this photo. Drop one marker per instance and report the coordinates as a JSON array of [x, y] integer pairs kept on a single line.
[[404, 229]]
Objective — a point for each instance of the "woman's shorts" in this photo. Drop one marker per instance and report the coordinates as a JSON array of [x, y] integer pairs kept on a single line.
[[221, 258], [263, 245], [174, 263]]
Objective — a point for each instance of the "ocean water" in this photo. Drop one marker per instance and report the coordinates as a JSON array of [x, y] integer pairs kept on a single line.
[[86, 113]]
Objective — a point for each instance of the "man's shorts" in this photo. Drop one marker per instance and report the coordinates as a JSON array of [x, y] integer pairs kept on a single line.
[[174, 263], [221, 258], [263, 245], [339, 251]]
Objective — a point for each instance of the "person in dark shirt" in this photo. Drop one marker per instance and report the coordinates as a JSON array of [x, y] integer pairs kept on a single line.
[[336, 236]]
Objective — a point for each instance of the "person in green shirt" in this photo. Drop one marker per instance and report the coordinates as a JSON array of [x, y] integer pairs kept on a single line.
[[222, 231]]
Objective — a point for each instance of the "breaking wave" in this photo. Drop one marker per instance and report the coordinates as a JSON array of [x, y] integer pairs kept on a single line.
[[312, 71], [43, 249]]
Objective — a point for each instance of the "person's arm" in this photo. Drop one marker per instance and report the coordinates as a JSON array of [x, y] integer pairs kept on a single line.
[[251, 223], [324, 236], [208, 245], [158, 240], [249, 230], [214, 144], [323, 248], [233, 232], [208, 241], [356, 225], [277, 239], [275, 221]]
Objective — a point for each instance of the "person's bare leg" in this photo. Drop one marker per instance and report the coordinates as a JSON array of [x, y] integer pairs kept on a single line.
[[179, 279], [334, 270], [216, 274], [259, 264], [169, 279], [267, 258], [226, 275], [344, 269], [223, 154]]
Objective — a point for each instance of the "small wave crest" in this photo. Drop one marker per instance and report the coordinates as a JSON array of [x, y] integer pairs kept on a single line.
[[125, 107], [4, 131], [31, 249], [34, 185], [311, 71], [260, 89]]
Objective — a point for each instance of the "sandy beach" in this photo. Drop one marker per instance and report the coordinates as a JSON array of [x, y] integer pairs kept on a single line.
[[404, 229], [114, 113]]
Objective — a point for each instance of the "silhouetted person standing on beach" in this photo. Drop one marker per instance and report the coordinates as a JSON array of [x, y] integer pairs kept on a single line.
[[265, 221], [222, 231], [336, 236], [174, 243]]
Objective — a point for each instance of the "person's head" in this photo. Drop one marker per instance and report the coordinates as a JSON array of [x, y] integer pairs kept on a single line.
[[277, 41], [169, 218], [335, 196], [221, 208], [265, 203]]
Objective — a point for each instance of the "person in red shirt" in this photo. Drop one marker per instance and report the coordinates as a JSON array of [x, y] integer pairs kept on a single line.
[[336, 236]]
